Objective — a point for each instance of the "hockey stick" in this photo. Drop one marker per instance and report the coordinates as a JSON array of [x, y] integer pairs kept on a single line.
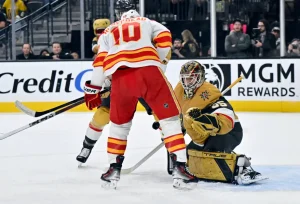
[[33, 113], [41, 120], [131, 169]]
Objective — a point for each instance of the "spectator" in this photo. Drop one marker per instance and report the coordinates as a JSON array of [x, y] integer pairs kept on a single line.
[[26, 53], [57, 52], [190, 45], [264, 42], [19, 6], [44, 52], [177, 50], [237, 43], [2, 20], [276, 33], [294, 48], [75, 55]]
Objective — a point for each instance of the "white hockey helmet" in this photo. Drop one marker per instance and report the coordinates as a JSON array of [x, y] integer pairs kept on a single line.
[[130, 14]]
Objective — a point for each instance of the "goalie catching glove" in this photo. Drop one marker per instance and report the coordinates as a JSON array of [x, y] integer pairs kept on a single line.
[[92, 95], [204, 124]]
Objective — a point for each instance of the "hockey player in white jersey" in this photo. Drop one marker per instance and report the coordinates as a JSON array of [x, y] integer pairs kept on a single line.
[[132, 50]]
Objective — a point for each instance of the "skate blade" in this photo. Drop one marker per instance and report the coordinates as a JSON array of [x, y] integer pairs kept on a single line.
[[109, 185], [81, 165], [182, 185], [250, 181]]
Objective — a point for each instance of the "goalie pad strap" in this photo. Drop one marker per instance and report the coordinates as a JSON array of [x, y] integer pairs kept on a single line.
[[225, 169]]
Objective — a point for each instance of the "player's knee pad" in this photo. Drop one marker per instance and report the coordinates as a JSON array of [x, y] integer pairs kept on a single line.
[[216, 166], [120, 131], [100, 118], [170, 126]]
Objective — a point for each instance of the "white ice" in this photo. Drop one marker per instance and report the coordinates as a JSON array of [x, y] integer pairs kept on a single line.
[[38, 166]]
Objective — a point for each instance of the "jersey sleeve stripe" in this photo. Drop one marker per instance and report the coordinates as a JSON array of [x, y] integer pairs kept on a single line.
[[99, 59], [227, 113], [164, 45], [163, 39], [163, 34]]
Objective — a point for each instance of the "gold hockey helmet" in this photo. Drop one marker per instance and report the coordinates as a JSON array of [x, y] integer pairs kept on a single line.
[[100, 25], [192, 76]]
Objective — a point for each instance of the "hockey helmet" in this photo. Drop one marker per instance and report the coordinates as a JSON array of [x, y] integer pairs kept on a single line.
[[192, 76], [100, 25], [122, 6], [130, 14]]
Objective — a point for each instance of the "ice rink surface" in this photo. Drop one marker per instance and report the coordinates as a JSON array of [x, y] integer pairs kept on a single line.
[[38, 166]]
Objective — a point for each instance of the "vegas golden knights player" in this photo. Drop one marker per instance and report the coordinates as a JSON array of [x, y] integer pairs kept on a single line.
[[214, 128]]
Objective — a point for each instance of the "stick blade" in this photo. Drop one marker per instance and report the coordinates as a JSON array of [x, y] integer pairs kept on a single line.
[[24, 109], [127, 171]]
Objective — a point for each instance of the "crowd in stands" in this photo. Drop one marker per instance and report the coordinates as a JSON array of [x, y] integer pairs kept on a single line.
[[22, 8], [56, 54], [260, 40], [264, 42]]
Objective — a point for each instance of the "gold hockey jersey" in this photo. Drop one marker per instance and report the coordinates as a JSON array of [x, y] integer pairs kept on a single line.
[[209, 99]]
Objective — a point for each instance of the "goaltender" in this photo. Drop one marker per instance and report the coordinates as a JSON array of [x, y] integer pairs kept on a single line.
[[214, 128]]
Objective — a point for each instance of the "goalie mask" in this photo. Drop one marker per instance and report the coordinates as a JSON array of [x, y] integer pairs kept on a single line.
[[122, 6], [192, 76]]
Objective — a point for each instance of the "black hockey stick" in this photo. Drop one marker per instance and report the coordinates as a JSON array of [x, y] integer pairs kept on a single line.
[[41, 120], [33, 113]]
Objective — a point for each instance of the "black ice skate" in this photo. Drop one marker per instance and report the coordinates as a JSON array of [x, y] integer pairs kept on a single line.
[[112, 176], [84, 154], [182, 178]]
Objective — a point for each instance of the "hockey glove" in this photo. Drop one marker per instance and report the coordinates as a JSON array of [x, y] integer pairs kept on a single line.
[[92, 95], [204, 124]]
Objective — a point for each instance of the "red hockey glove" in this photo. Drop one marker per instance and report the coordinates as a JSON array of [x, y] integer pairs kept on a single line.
[[92, 95]]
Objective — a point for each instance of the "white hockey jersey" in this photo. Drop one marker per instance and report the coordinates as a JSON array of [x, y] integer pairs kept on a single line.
[[132, 42]]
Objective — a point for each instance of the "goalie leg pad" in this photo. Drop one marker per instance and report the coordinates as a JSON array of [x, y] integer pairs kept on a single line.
[[222, 167], [213, 166]]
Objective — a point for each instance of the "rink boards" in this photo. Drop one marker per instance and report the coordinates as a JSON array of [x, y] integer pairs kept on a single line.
[[269, 85]]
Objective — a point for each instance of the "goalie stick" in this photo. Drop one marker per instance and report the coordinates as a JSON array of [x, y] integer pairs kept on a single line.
[[145, 158]]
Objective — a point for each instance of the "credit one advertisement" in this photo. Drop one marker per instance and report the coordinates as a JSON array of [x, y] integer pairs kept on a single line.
[[265, 80]]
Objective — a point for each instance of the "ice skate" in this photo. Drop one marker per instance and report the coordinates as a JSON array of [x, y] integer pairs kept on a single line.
[[182, 178], [112, 176], [83, 155], [249, 176]]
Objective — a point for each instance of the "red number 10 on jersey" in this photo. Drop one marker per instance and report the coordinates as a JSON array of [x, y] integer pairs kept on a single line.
[[130, 31]]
